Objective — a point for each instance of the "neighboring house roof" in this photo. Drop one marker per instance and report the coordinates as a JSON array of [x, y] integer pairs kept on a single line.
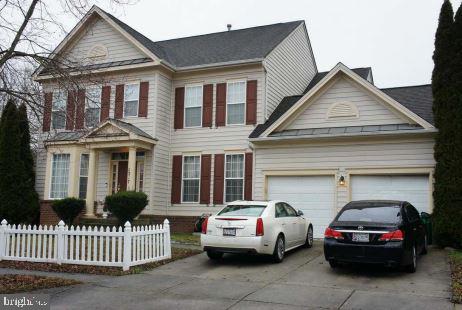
[[417, 99], [221, 47]]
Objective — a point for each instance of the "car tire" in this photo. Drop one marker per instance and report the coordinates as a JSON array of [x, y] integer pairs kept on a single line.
[[213, 255], [279, 249], [333, 264], [309, 237], [425, 246], [413, 266]]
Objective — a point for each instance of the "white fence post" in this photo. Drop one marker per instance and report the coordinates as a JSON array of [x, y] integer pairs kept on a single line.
[[127, 246], [3, 239], [167, 245], [60, 247]]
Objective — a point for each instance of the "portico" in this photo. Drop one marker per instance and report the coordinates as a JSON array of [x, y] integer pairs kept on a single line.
[[73, 163]]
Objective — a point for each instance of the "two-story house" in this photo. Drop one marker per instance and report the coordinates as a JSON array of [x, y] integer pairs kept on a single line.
[[243, 114]]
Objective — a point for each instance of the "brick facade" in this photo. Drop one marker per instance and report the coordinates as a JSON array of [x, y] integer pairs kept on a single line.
[[47, 215]]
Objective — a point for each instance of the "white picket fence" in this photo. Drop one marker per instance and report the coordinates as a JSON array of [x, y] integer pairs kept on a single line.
[[86, 246]]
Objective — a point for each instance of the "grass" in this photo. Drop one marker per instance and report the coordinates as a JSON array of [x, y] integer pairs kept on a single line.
[[455, 258], [18, 283], [186, 238], [177, 253]]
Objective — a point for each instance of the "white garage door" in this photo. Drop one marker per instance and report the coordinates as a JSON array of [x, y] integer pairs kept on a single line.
[[314, 195], [412, 188]]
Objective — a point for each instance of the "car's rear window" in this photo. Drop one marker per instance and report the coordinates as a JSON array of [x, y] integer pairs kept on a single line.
[[243, 210], [385, 214]]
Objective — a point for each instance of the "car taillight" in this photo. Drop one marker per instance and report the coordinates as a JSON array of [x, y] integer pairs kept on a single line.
[[260, 230], [332, 234], [396, 235], [204, 225]]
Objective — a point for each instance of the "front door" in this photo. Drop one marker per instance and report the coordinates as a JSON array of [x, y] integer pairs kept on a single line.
[[122, 174]]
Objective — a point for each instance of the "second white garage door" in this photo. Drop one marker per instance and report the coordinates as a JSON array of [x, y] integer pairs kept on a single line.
[[314, 195], [411, 188]]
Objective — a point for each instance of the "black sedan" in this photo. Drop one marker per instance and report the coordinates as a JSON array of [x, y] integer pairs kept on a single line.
[[375, 231]]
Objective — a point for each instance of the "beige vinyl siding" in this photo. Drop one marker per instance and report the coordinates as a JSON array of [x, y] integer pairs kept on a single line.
[[161, 172], [290, 67], [233, 138], [342, 157], [102, 175], [101, 33], [371, 110], [40, 171]]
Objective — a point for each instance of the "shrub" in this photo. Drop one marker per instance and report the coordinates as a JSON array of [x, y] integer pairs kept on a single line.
[[126, 205], [68, 208]]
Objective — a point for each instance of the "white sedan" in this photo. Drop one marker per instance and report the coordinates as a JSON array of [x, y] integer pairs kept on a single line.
[[256, 227]]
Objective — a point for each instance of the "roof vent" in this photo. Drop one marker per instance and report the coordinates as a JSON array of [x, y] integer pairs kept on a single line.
[[229, 27], [98, 52], [342, 109]]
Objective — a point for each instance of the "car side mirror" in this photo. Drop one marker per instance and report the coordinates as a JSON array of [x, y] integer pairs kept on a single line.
[[299, 213]]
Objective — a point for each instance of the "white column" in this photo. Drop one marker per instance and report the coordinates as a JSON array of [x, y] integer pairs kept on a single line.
[[131, 186], [90, 199]]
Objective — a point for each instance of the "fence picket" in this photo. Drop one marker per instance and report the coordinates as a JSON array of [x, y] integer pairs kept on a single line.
[[61, 244]]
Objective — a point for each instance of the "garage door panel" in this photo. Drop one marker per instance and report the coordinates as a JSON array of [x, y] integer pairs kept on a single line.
[[412, 188], [314, 195]]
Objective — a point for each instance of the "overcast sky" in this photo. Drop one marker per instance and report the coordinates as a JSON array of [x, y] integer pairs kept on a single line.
[[394, 37]]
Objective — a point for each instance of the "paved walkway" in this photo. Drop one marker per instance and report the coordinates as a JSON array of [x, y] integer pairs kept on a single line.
[[303, 281]]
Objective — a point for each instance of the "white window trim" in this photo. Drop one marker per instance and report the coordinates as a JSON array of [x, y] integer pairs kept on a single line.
[[51, 177], [184, 105], [80, 171], [200, 175], [86, 106], [138, 175], [138, 105], [225, 178], [245, 102], [64, 94]]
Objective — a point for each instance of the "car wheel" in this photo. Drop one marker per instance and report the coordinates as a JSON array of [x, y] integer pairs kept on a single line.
[[309, 237], [413, 266], [279, 249], [213, 255], [333, 264], [425, 246]]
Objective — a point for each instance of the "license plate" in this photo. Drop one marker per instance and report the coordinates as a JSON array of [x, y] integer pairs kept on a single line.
[[229, 231], [360, 237]]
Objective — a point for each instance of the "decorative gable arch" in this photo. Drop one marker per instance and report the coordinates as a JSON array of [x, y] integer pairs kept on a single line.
[[342, 110]]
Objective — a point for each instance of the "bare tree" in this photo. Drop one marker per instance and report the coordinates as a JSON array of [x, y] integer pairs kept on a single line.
[[26, 29]]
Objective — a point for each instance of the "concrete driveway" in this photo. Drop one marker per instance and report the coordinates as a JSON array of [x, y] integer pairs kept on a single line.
[[303, 281]]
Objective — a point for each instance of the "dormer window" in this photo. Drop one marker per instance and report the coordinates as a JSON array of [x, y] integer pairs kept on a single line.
[[342, 110]]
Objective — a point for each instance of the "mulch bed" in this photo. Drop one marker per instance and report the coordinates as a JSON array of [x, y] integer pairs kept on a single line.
[[18, 283], [455, 259], [177, 253]]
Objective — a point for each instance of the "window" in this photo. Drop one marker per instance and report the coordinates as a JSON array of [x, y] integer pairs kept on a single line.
[[241, 210], [280, 211], [193, 106], [140, 175], [385, 214], [234, 177], [290, 211], [83, 179], [131, 98], [58, 110], [235, 103], [59, 176], [191, 178], [93, 107]]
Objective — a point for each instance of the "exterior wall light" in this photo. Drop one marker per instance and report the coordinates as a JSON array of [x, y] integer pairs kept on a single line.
[[341, 180]]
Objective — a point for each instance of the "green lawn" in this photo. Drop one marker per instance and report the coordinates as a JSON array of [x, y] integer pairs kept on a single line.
[[186, 238], [455, 259]]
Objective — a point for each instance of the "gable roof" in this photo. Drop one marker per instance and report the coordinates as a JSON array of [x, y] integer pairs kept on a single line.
[[221, 47], [417, 99]]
